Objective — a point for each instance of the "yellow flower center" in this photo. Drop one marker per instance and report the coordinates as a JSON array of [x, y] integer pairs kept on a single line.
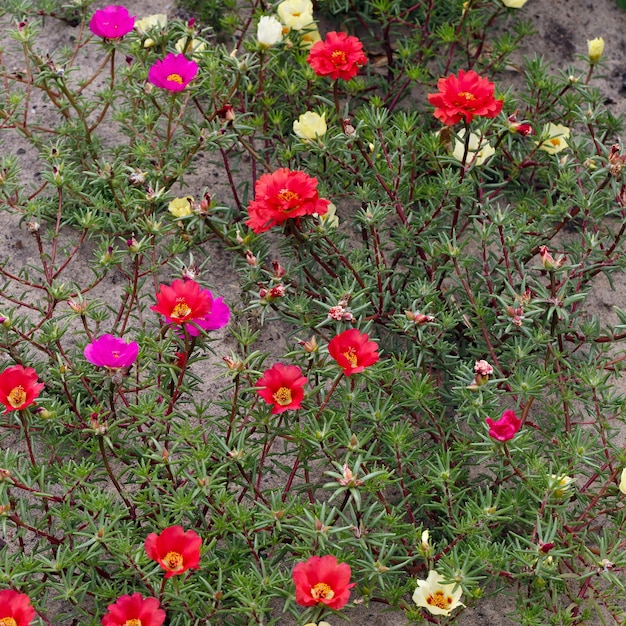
[[350, 354], [173, 561], [115, 354], [132, 622], [8, 621], [181, 309], [338, 57], [296, 14], [440, 600], [16, 398], [555, 141], [283, 396], [467, 95], [322, 591], [175, 78], [286, 195]]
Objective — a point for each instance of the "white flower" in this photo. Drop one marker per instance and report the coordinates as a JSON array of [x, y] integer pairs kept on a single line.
[[142, 26], [479, 150], [296, 14], [310, 125], [555, 138], [622, 482], [269, 31], [438, 597]]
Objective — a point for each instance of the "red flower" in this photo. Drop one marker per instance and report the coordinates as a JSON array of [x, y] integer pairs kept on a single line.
[[173, 73], [505, 428], [174, 550], [338, 56], [183, 301], [322, 580], [18, 388], [464, 96], [15, 608], [134, 610], [282, 195], [353, 351], [281, 386], [112, 22]]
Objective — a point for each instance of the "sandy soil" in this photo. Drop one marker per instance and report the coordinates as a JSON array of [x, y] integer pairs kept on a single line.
[[563, 27]]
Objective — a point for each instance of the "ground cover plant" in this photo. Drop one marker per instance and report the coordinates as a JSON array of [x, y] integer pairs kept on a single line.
[[439, 419]]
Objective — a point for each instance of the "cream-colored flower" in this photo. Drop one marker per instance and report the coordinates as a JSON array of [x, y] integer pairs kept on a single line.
[[559, 485], [318, 624], [514, 4], [622, 482], [181, 207], [309, 35], [310, 126], [595, 48], [330, 219], [145, 24], [479, 149], [556, 136], [190, 47], [269, 31], [438, 597], [296, 14]]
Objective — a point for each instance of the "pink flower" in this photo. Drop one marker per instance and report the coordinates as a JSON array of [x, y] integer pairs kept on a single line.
[[173, 73], [112, 22], [505, 428], [134, 610], [322, 580], [112, 352], [338, 56], [175, 550], [217, 317]]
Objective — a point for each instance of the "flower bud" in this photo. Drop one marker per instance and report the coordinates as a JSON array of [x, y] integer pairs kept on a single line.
[[595, 48]]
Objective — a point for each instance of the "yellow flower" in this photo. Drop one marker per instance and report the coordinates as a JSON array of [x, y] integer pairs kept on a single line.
[[555, 138], [479, 150], [622, 482], [269, 31], [181, 207], [189, 47], [309, 35], [439, 597], [560, 484], [595, 48], [329, 220], [310, 126], [142, 26], [296, 14], [514, 4]]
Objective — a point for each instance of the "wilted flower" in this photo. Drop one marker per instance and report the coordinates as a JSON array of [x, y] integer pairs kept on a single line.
[[322, 580], [338, 56], [18, 387], [173, 73], [269, 31], [464, 96], [296, 14], [181, 207], [310, 126], [437, 596], [134, 610], [478, 149], [595, 48], [505, 428], [282, 386], [548, 261], [112, 22], [175, 550], [15, 608], [556, 136]]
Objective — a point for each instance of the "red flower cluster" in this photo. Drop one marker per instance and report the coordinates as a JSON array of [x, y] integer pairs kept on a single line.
[[19, 387], [281, 385], [183, 301], [322, 580], [338, 56], [505, 428], [15, 608], [464, 96], [174, 550], [353, 351], [134, 610], [282, 195]]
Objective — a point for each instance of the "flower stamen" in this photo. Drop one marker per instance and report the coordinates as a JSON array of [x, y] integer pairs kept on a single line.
[[175, 78], [338, 57], [173, 561], [322, 591], [350, 354], [180, 310], [8, 621], [286, 195], [283, 396], [439, 599], [16, 398]]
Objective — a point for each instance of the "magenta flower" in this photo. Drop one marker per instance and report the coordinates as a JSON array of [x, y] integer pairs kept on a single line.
[[217, 317], [112, 22], [173, 73], [505, 428], [111, 352]]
